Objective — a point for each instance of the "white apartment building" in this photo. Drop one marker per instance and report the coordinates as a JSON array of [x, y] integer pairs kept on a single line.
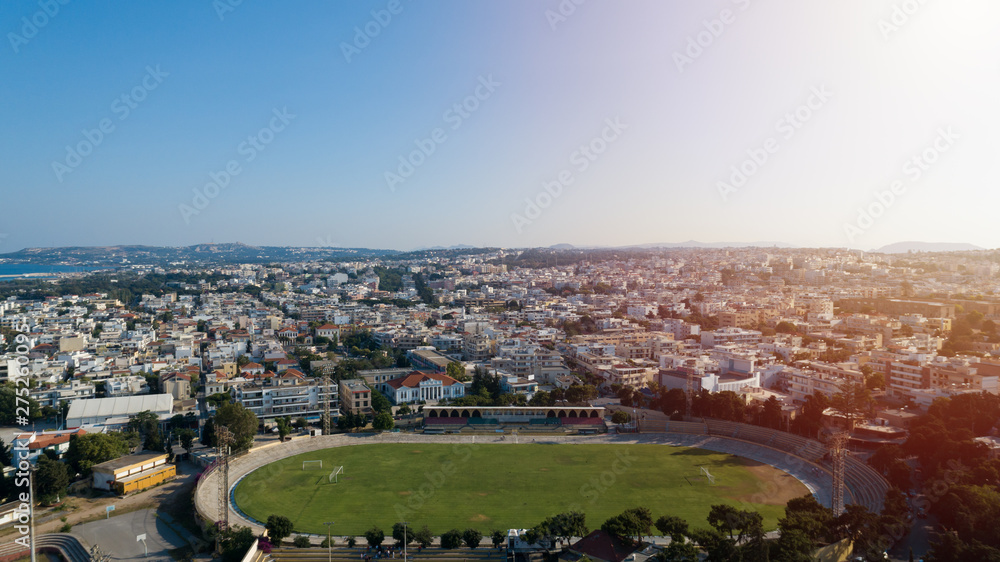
[[726, 336], [289, 398]]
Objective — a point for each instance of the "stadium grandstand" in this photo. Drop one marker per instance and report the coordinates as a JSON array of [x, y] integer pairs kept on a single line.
[[465, 419]]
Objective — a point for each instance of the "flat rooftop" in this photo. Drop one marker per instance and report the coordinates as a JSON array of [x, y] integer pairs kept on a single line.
[[129, 460]]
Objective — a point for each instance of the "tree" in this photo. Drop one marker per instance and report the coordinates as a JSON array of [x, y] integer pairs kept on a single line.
[[380, 403], [302, 541], [566, 525], [620, 417], [402, 534], [456, 370], [451, 539], [51, 478], [679, 551], [278, 528], [284, 428], [423, 537], [208, 433], [673, 527], [9, 404], [497, 537], [374, 536], [187, 438], [242, 424], [771, 415], [795, 546], [541, 398], [631, 523], [673, 401], [94, 448], [810, 420], [5, 459], [472, 538], [853, 400], [234, 542], [718, 546], [875, 381], [383, 421], [147, 425]]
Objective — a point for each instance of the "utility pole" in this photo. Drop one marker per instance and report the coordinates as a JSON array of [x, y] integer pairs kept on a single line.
[[405, 525], [329, 543]]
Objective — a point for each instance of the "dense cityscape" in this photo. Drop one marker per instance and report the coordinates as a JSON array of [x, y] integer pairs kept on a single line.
[[878, 370]]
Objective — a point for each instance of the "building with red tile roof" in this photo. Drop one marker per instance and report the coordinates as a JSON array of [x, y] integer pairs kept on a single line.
[[422, 386]]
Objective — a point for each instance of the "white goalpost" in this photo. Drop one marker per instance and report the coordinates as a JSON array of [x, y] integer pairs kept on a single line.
[[708, 475], [337, 470], [311, 464]]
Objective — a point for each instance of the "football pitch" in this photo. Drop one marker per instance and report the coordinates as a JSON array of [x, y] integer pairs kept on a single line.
[[446, 486]]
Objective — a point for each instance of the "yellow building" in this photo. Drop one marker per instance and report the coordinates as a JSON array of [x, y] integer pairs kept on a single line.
[[133, 473]]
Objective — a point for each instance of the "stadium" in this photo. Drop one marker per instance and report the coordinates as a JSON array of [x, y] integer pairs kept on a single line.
[[501, 480]]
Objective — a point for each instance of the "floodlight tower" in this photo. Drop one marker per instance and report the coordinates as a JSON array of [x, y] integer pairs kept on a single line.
[[223, 438], [838, 453], [326, 402]]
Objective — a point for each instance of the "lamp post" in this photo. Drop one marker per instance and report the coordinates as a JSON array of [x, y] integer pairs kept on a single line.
[[329, 543], [405, 525]]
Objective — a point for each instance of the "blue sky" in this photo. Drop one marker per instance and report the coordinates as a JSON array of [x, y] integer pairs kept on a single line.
[[647, 110]]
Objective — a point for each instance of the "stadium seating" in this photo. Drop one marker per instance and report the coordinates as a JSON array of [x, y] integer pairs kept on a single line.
[[695, 428]]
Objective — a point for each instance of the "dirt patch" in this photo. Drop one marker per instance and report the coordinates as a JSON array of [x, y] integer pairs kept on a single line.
[[775, 487], [416, 451], [406, 493], [479, 518], [483, 494], [543, 469]]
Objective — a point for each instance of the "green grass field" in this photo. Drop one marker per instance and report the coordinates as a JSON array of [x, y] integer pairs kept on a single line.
[[502, 486]]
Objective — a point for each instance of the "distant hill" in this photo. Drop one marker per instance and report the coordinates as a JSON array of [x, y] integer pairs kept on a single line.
[[688, 244], [196, 254], [696, 244], [906, 247]]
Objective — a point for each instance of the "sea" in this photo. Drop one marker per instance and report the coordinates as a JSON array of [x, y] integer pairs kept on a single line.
[[20, 270]]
